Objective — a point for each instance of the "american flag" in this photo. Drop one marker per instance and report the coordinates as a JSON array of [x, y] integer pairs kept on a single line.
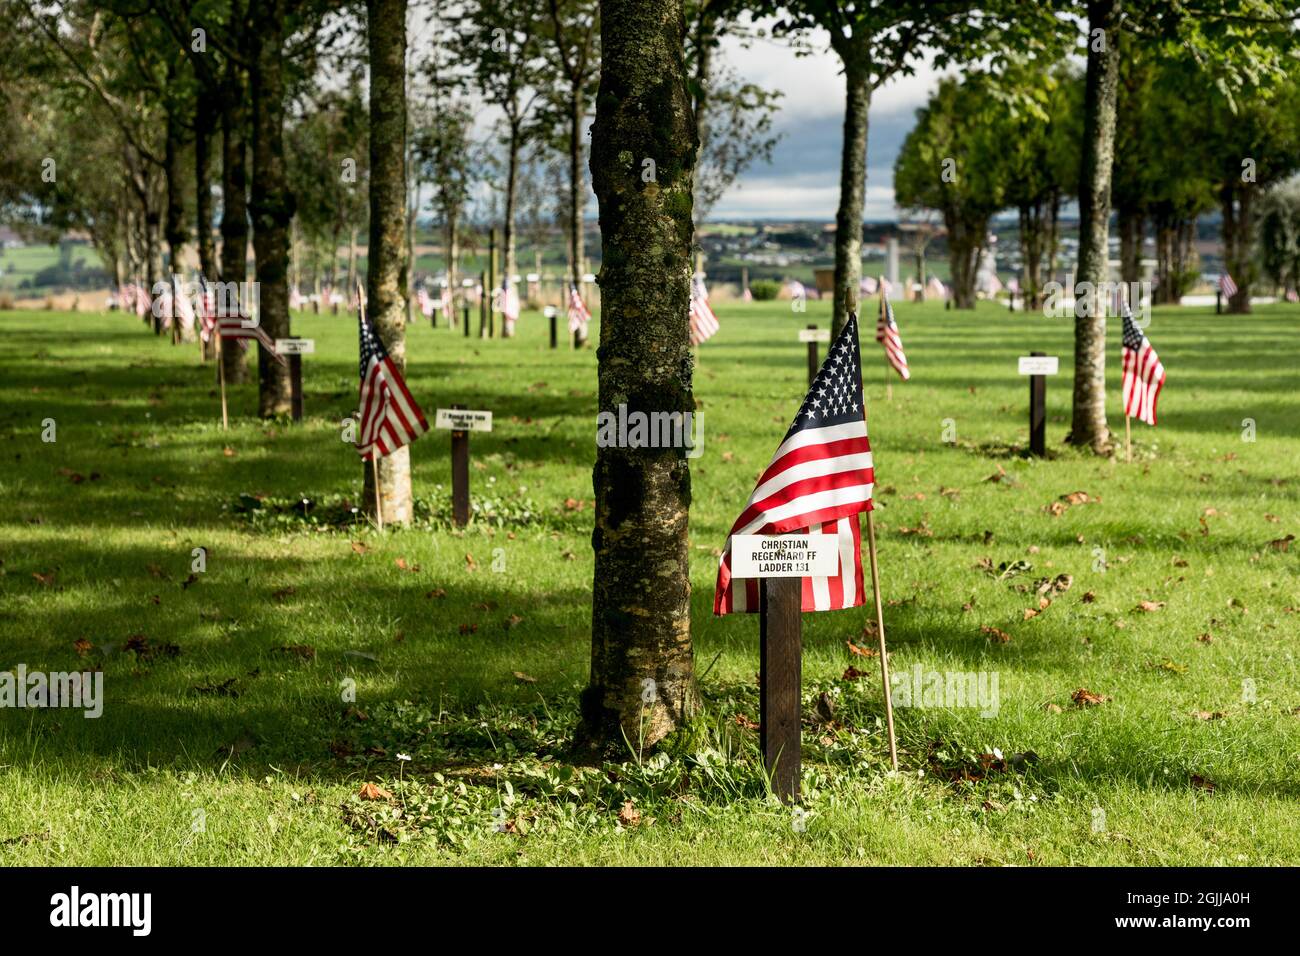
[[509, 305], [578, 314], [935, 287], [1144, 376], [1227, 286], [184, 307], [887, 335], [448, 307], [232, 327], [704, 324], [390, 418], [424, 302], [207, 310], [819, 480]]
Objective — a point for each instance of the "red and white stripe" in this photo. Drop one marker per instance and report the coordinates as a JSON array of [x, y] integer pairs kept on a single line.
[[1227, 286], [390, 417], [887, 335], [578, 314], [819, 479], [1143, 378], [704, 324]]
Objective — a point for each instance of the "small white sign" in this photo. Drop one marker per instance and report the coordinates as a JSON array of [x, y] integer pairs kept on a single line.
[[295, 346], [463, 420], [549, 311], [784, 555], [814, 335], [1039, 364]]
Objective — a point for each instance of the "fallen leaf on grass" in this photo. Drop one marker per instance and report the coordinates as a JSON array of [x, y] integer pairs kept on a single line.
[[226, 688], [283, 593], [402, 565], [46, 579], [1209, 714], [852, 673], [192, 579], [82, 646], [1086, 698], [574, 504], [470, 563], [146, 650], [1282, 544], [1030, 613], [1272, 518], [228, 452], [629, 816], [372, 791], [436, 594], [746, 723], [1200, 783], [861, 651], [359, 547], [524, 678], [514, 620], [1149, 606], [468, 628], [303, 651], [996, 635]]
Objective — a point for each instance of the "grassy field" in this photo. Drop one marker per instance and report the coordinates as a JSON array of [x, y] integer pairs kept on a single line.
[[225, 737]]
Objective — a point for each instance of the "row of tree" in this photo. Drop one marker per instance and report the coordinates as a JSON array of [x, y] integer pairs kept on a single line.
[[1184, 147]]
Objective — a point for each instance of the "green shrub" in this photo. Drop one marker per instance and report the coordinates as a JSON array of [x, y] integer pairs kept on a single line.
[[764, 290]]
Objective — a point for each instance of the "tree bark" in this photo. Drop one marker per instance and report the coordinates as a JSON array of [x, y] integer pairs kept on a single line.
[[576, 115], [642, 683], [234, 207], [1088, 426], [853, 184], [508, 240], [1132, 225], [203, 120], [385, 253], [271, 204], [175, 230], [1031, 249], [1238, 243]]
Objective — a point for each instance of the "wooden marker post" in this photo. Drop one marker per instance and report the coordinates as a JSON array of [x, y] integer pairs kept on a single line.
[[1038, 365], [461, 422], [379, 497], [465, 322], [294, 350], [780, 683], [550, 313], [1128, 439], [780, 563], [1218, 301], [484, 303], [813, 364], [812, 335], [491, 286]]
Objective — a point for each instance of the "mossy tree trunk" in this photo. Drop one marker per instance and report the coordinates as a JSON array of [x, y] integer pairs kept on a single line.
[[853, 180], [272, 203], [234, 205], [642, 684], [386, 253], [1088, 422]]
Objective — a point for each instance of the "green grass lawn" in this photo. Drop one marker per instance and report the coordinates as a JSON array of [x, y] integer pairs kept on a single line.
[[225, 738]]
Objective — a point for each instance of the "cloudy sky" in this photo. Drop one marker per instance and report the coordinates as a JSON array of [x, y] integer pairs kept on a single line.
[[803, 179]]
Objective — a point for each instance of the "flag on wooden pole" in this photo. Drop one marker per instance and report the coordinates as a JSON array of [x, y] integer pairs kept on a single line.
[[390, 418], [233, 327], [1227, 286], [1143, 373], [887, 335], [819, 480], [509, 306], [704, 324]]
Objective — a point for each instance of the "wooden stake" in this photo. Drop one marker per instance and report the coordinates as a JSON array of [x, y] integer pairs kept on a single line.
[[221, 377], [379, 498], [880, 632], [813, 364], [779, 677], [1128, 440], [459, 476]]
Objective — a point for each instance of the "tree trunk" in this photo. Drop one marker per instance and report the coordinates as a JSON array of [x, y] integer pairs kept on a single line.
[[203, 121], [234, 209], [508, 226], [1088, 421], [965, 241], [453, 258], [1132, 225], [1031, 250], [576, 197], [271, 205], [385, 252], [153, 248], [176, 232], [853, 184], [642, 669], [1053, 234], [1238, 243]]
